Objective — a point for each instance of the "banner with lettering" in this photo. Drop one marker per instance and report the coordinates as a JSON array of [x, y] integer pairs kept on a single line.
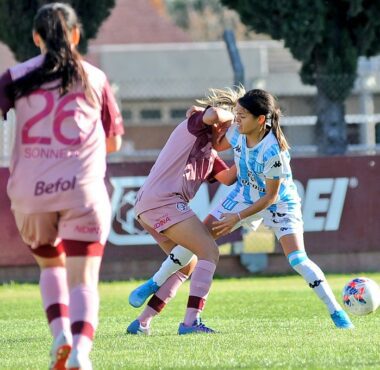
[[341, 207]]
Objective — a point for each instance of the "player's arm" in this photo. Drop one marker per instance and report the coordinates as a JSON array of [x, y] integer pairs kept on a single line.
[[113, 143], [112, 120], [221, 120], [193, 109], [227, 176], [272, 187], [219, 140], [211, 115], [222, 172], [219, 116], [229, 220]]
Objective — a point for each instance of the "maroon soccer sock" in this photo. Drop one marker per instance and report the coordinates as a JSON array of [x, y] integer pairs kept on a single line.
[[55, 298], [84, 308], [201, 280], [166, 292]]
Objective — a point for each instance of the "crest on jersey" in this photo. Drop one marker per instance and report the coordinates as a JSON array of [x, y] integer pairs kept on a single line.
[[182, 206]]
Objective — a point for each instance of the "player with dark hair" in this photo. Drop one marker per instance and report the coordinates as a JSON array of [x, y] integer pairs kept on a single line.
[[264, 191], [67, 120]]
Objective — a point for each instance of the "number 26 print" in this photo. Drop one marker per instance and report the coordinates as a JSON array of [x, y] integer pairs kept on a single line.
[[60, 115]]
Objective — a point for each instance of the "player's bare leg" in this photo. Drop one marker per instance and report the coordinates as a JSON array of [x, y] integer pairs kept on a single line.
[[163, 287], [178, 258], [193, 235]]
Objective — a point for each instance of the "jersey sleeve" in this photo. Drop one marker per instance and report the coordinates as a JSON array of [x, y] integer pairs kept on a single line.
[[5, 103], [219, 166], [196, 126], [275, 166], [111, 117]]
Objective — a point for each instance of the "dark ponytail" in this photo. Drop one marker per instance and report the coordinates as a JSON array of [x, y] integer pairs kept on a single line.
[[276, 128], [260, 102], [62, 63]]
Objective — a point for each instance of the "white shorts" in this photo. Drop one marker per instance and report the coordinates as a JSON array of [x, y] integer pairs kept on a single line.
[[281, 223]]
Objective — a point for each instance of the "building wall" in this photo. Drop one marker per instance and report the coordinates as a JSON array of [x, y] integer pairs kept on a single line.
[[157, 83]]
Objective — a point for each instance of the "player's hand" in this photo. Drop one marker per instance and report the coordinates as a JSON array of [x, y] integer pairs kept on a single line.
[[193, 109], [221, 130], [226, 224]]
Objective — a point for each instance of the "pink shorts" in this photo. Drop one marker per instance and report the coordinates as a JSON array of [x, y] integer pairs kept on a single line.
[[159, 219], [87, 223]]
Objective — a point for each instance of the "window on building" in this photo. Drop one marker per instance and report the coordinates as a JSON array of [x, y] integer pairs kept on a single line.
[[127, 114], [353, 133], [377, 132], [178, 113], [150, 114]]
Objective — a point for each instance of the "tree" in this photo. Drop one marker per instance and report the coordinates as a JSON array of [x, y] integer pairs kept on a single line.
[[328, 37], [205, 20], [16, 22]]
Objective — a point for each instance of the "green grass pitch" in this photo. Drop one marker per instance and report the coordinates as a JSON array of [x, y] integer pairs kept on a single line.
[[262, 322]]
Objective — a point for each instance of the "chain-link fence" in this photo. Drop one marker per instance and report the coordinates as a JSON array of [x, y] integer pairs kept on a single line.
[[148, 124], [156, 84], [313, 122]]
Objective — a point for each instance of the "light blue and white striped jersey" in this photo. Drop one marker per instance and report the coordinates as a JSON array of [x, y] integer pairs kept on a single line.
[[254, 165]]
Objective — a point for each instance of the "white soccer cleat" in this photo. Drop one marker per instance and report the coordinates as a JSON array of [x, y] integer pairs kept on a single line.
[[60, 351], [78, 361]]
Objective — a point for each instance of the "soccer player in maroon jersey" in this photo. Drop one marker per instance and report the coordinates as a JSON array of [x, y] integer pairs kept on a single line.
[[67, 120], [186, 161]]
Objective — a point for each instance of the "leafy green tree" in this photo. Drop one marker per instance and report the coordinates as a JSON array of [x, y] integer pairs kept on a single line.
[[16, 22], [205, 20], [328, 37], [180, 9]]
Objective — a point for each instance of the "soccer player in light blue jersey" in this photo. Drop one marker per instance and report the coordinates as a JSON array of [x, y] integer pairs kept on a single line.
[[265, 190]]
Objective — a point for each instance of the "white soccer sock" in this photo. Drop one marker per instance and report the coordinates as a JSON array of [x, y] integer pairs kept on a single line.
[[315, 278], [178, 258]]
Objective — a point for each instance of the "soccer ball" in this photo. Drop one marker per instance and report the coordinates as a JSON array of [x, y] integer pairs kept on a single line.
[[361, 296]]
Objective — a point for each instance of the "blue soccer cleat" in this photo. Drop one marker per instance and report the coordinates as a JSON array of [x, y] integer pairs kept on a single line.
[[197, 328], [142, 293], [341, 320], [136, 328]]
